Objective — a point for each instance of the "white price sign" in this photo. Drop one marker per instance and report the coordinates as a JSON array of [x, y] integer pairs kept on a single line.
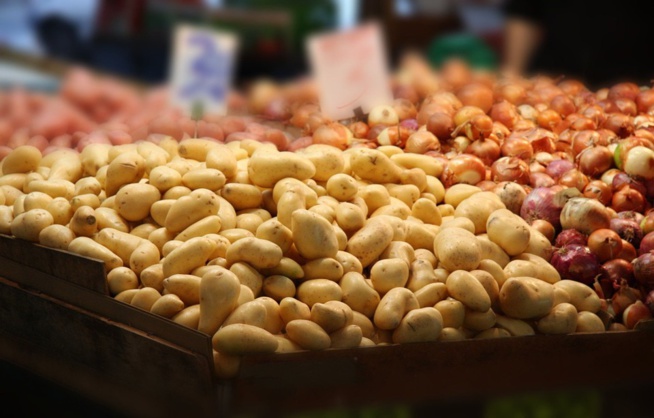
[[201, 69], [351, 69]]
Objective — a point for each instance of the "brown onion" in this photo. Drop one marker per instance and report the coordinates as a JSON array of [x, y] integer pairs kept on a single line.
[[620, 124], [605, 243], [464, 168], [510, 169], [544, 228], [517, 147], [333, 134], [477, 95], [505, 113], [404, 109], [563, 105], [486, 150], [441, 124], [645, 100], [626, 90], [597, 189], [628, 198], [574, 178], [548, 119], [420, 142], [595, 160], [585, 215]]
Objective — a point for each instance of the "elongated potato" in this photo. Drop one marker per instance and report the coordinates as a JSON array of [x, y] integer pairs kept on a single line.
[[515, 327], [331, 315], [22, 159], [153, 277], [369, 242], [84, 222], [509, 231], [167, 306], [207, 178], [196, 148], [209, 225], [219, 291], [189, 255], [319, 291], [393, 306], [222, 158], [327, 159], [349, 336], [265, 169], [374, 166], [251, 313], [582, 296], [241, 339], [186, 286], [419, 325], [121, 279], [431, 294], [87, 247], [189, 316], [274, 231], [526, 297], [124, 169], [189, 209], [308, 335], [358, 295], [458, 193], [291, 309], [313, 236], [465, 288], [257, 252], [121, 243]]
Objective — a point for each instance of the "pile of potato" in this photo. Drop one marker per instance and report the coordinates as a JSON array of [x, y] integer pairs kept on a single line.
[[272, 251]]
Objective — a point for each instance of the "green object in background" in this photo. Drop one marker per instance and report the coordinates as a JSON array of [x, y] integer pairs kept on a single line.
[[575, 404], [465, 46]]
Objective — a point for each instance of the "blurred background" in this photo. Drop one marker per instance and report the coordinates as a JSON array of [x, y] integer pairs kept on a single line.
[[131, 38]]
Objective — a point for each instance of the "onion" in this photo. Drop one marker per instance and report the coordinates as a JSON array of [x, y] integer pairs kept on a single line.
[[543, 203], [422, 141], [628, 230], [624, 296], [383, 115], [595, 160], [441, 124], [639, 162], [528, 112], [582, 123], [486, 185], [649, 301], [631, 215], [585, 215], [620, 124], [569, 237], [605, 243], [635, 313], [410, 124], [517, 147], [548, 119], [485, 149], [645, 100], [359, 129], [646, 243], [597, 189], [333, 134], [545, 228], [464, 168], [475, 94], [647, 223], [505, 113], [404, 109], [574, 178], [511, 92], [576, 262], [465, 114], [537, 179], [510, 169], [627, 90], [622, 180], [609, 175], [511, 194], [563, 105], [614, 271], [628, 198], [480, 126], [557, 168], [628, 252]]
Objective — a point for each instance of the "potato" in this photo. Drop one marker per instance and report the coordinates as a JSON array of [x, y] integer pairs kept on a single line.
[[164, 178], [133, 201], [242, 196], [189, 209], [490, 285], [207, 178], [126, 295], [350, 217], [55, 236], [153, 277], [167, 306], [388, 274], [319, 291], [425, 210], [28, 225], [358, 295], [492, 251], [421, 235], [589, 322], [22, 159], [189, 316], [375, 196], [323, 268], [308, 335], [407, 193], [219, 290], [545, 271], [144, 256], [248, 276], [53, 188], [491, 333], [124, 169], [186, 286], [266, 169], [240, 339], [431, 294], [221, 157], [36, 200], [274, 323], [465, 288], [349, 336], [278, 287], [393, 307], [250, 313], [369, 242], [145, 298], [313, 236], [582, 296], [196, 148], [291, 309], [84, 222], [94, 156], [451, 334], [257, 252], [478, 208], [120, 279], [461, 252], [562, 319], [479, 321], [459, 192], [509, 231], [419, 325], [526, 297], [515, 327], [121, 243], [374, 166], [189, 255], [327, 159], [428, 165], [287, 267], [494, 269], [343, 187], [539, 245]]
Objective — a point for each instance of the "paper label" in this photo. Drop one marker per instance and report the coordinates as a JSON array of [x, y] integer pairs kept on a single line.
[[351, 70], [201, 69]]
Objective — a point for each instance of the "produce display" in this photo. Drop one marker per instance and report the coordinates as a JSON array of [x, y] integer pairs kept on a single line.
[[475, 206]]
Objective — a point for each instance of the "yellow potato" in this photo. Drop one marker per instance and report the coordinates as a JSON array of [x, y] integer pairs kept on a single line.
[[267, 168], [388, 274], [313, 236], [582, 297], [145, 298], [120, 279], [562, 319], [458, 193], [350, 217], [250, 313], [327, 159], [257, 252], [458, 250], [242, 196], [191, 254], [291, 309], [428, 165], [189, 316], [393, 307], [308, 335], [189, 209], [479, 321], [349, 336], [196, 148], [526, 297], [207, 178], [36, 200], [419, 325], [84, 222], [167, 306], [133, 201], [28, 225], [93, 157], [323, 268], [222, 158], [509, 231], [219, 291], [431, 294], [165, 178], [318, 291], [88, 185], [332, 315], [278, 287], [464, 287], [121, 243], [22, 159], [358, 295], [209, 225], [248, 276], [240, 339], [274, 231], [55, 236], [589, 322], [152, 276], [124, 169], [144, 256], [374, 166], [515, 327], [369, 242], [186, 286]]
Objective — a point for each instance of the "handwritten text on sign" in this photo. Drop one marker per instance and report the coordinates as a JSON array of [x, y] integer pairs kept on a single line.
[[351, 70], [202, 67]]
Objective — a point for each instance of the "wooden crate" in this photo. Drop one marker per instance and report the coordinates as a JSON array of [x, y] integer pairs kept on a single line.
[[59, 322]]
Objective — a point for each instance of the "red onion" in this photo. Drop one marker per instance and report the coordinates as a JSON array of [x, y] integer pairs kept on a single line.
[[629, 230], [557, 168], [647, 223], [576, 262], [570, 237], [540, 180], [646, 244], [649, 301], [541, 203], [631, 215], [644, 269], [613, 272], [410, 124], [624, 296]]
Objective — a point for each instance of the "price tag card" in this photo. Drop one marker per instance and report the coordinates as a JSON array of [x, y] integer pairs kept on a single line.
[[201, 69], [351, 70]]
